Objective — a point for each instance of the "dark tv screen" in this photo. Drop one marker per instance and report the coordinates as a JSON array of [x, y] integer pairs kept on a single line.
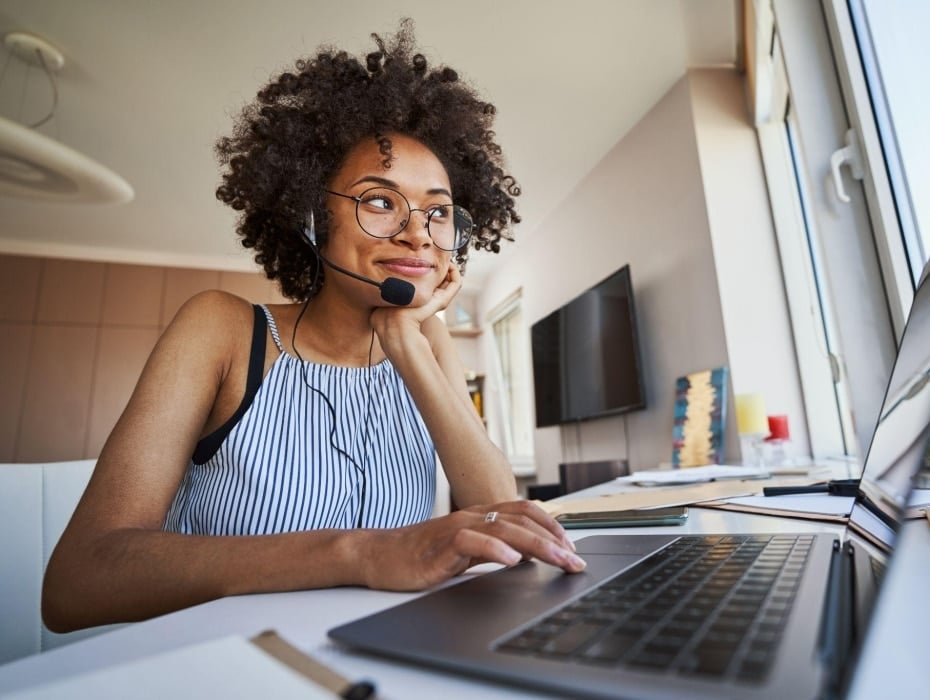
[[586, 361]]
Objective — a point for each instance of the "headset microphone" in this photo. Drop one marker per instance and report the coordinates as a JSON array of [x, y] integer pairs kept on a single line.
[[393, 290]]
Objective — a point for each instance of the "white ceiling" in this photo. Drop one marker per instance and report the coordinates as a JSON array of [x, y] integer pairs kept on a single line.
[[149, 85]]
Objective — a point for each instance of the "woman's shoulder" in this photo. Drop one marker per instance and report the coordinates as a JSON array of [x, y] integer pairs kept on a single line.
[[215, 326], [214, 308], [214, 320]]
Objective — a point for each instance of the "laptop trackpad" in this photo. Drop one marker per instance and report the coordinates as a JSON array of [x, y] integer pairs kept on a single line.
[[622, 544]]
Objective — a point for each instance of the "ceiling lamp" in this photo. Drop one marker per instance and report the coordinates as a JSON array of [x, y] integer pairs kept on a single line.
[[34, 166]]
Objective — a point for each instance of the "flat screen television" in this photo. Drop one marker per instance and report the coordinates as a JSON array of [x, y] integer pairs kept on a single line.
[[586, 358]]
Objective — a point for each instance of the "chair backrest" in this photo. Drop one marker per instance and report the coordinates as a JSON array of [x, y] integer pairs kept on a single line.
[[574, 476], [36, 503]]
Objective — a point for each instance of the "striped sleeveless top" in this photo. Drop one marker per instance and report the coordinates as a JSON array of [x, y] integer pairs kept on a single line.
[[312, 446]]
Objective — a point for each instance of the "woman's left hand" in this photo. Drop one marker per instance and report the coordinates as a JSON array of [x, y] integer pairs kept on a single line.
[[387, 321], [422, 555]]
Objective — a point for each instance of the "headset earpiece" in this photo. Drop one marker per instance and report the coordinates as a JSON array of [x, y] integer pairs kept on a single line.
[[310, 229], [393, 289]]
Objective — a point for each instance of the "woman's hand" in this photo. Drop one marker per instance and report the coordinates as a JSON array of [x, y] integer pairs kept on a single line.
[[445, 292], [389, 321], [423, 555]]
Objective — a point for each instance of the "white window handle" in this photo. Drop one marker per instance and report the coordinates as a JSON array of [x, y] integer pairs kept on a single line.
[[848, 155]]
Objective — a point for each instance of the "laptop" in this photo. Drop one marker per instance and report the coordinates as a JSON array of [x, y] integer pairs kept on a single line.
[[696, 616]]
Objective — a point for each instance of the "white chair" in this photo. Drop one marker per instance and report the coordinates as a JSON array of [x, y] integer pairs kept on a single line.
[[442, 505], [36, 502]]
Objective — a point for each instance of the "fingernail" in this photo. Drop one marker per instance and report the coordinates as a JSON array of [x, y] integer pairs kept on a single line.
[[570, 560], [570, 544], [512, 557]]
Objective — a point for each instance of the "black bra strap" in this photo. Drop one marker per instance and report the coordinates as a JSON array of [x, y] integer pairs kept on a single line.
[[208, 446]]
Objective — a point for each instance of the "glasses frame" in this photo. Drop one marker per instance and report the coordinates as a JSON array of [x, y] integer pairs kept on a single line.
[[429, 216]]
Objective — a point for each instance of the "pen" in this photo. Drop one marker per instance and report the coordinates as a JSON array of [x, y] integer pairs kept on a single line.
[[270, 642], [835, 487]]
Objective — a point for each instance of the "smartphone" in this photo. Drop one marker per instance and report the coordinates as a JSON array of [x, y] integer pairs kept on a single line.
[[675, 515]]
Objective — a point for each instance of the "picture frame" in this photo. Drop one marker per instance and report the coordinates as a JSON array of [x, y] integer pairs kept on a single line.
[[700, 418]]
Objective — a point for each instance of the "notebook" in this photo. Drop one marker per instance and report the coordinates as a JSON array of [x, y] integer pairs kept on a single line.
[[691, 616]]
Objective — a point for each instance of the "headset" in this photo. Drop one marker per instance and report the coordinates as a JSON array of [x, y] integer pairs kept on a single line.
[[393, 290]]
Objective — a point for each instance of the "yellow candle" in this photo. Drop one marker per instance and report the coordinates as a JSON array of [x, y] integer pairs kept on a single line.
[[750, 415]]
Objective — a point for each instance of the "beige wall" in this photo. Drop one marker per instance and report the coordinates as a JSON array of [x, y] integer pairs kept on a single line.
[[752, 299], [74, 337], [647, 204]]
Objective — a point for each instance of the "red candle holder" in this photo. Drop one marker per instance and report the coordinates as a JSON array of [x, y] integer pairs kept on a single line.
[[778, 428], [778, 437]]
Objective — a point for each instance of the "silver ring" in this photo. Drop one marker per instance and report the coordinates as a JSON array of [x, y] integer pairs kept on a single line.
[[490, 517]]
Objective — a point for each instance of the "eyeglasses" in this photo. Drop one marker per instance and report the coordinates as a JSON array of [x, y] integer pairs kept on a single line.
[[383, 212]]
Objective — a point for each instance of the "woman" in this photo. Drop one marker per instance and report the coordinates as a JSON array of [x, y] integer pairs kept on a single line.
[[292, 446]]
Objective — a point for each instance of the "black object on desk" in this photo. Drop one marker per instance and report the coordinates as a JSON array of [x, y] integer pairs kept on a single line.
[[834, 487]]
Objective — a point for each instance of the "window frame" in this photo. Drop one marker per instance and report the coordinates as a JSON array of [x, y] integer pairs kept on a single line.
[[893, 226], [523, 463], [852, 278], [816, 364]]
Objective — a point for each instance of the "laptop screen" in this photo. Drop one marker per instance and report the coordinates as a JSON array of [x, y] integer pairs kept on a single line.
[[899, 444]]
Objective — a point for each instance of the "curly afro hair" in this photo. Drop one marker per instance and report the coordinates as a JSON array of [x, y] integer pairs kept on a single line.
[[292, 139]]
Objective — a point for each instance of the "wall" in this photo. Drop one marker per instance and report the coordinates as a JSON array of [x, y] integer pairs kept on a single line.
[[646, 204], [74, 337], [752, 299], [673, 199]]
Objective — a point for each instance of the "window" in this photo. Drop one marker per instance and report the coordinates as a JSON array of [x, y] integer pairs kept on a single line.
[[842, 257], [876, 158], [817, 346], [512, 379], [889, 48], [829, 345]]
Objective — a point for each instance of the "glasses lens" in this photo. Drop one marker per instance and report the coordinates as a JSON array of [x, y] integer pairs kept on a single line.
[[382, 212], [450, 226]]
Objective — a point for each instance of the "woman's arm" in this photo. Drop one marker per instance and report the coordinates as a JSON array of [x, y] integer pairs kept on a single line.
[[477, 470], [114, 563], [419, 345]]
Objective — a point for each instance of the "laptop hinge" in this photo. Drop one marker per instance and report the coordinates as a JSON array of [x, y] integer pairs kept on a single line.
[[837, 634]]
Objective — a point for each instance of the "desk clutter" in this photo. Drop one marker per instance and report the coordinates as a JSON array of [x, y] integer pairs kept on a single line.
[[794, 492], [697, 475], [699, 429], [655, 497], [716, 486]]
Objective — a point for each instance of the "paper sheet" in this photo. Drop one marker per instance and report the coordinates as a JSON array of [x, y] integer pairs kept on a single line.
[[919, 498], [656, 497], [800, 503], [694, 475], [807, 506], [231, 668]]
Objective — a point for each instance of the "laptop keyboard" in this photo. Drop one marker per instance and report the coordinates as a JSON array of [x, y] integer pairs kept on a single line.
[[704, 605]]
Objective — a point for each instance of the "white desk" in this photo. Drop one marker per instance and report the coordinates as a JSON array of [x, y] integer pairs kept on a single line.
[[895, 663]]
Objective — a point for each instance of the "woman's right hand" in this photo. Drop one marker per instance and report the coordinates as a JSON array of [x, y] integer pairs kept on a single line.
[[423, 555], [393, 323]]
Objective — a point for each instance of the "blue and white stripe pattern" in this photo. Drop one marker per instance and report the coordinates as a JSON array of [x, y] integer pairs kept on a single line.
[[277, 471]]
